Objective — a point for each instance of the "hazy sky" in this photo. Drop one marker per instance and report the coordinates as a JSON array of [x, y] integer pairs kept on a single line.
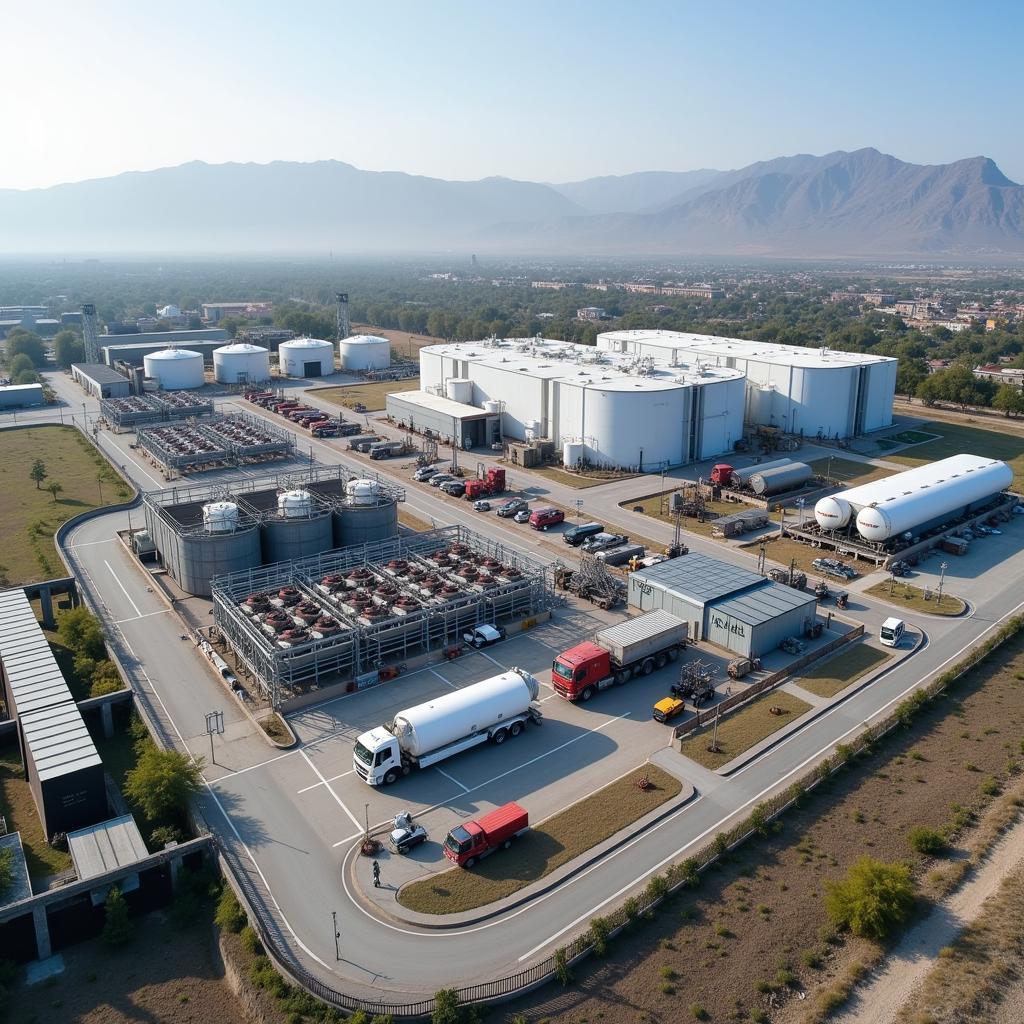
[[548, 90]]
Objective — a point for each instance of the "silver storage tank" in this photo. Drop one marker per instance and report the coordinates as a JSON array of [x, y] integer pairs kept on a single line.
[[782, 478], [221, 546], [366, 514], [301, 526]]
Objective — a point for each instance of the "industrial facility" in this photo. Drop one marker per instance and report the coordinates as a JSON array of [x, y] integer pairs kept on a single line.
[[233, 440], [159, 407], [100, 380], [726, 605], [241, 363], [600, 408], [914, 502], [297, 626], [305, 357], [202, 531], [809, 392]]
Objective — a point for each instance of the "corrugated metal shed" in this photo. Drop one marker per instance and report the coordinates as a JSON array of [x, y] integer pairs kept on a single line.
[[58, 741], [32, 679], [765, 603], [700, 578], [754, 623], [110, 844], [99, 373]]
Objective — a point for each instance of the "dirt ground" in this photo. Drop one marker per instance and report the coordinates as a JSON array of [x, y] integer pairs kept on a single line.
[[755, 931], [164, 976]]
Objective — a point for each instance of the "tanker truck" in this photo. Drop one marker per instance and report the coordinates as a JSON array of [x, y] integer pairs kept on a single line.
[[489, 711]]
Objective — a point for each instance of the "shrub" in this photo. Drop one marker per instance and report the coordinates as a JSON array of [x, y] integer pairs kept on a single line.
[[873, 900], [758, 1016], [657, 889], [263, 975], [689, 872], [79, 630], [562, 972], [630, 908], [105, 679], [599, 929], [446, 1007], [250, 940], [926, 841], [810, 958], [117, 925], [230, 916], [163, 835], [785, 978], [698, 1011], [991, 787], [669, 973], [6, 869], [162, 782], [667, 988]]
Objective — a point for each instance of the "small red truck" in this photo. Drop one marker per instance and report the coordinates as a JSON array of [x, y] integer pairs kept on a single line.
[[467, 843], [617, 654], [542, 518]]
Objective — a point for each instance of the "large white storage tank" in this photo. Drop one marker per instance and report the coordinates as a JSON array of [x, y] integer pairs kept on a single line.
[[241, 363], [306, 357], [175, 368], [459, 389], [364, 352]]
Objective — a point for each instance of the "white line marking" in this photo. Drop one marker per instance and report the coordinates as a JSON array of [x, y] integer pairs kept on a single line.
[[123, 591], [253, 767], [337, 799], [134, 618], [91, 544], [333, 778], [447, 682], [465, 789]]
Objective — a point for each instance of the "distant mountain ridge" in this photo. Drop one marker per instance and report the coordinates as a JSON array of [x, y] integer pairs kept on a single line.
[[860, 203]]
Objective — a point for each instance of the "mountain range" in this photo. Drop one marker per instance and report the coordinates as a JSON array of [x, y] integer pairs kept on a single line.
[[844, 204]]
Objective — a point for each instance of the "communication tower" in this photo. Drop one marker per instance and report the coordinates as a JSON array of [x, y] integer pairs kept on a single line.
[[344, 329], [90, 334]]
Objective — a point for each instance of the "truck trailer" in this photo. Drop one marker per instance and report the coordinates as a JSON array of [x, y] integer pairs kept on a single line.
[[617, 654], [492, 710], [466, 844]]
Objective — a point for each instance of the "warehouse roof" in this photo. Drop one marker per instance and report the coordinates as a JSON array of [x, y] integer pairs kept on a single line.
[[765, 603], [699, 577], [21, 387], [104, 847], [58, 741], [437, 403], [708, 346], [34, 679], [99, 373]]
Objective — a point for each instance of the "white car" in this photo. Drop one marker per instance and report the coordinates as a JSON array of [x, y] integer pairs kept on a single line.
[[484, 636], [481, 506], [440, 478]]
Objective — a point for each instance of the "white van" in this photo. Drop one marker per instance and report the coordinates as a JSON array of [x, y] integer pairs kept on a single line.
[[892, 632]]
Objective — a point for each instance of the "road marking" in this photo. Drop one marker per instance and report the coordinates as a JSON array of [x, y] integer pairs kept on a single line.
[[134, 618], [91, 544], [337, 799], [123, 591], [447, 682], [465, 789], [253, 767], [333, 778]]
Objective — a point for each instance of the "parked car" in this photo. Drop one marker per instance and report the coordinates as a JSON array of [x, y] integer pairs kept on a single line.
[[833, 567], [406, 834], [484, 636], [522, 516], [542, 518], [602, 542], [455, 488], [440, 478], [424, 473], [481, 506], [507, 509]]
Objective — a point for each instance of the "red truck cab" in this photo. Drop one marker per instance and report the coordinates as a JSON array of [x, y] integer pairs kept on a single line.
[[466, 844], [581, 670]]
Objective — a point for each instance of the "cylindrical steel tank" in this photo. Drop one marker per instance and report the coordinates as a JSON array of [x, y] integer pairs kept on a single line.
[[492, 406], [285, 537], [194, 559], [241, 363], [782, 478], [833, 513], [175, 368], [459, 389], [306, 357], [365, 515], [364, 352], [740, 477], [572, 452]]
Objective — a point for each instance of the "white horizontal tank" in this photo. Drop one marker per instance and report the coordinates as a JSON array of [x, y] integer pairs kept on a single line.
[[295, 504], [833, 513], [364, 352], [220, 517], [175, 368], [241, 363], [306, 357]]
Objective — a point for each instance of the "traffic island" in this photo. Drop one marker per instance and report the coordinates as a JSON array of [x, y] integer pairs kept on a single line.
[[544, 849], [903, 595]]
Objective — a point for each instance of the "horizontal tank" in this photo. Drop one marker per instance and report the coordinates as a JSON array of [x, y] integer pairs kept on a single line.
[[741, 477], [781, 478], [963, 481], [454, 716], [833, 512], [364, 352], [241, 363], [175, 368], [306, 357]]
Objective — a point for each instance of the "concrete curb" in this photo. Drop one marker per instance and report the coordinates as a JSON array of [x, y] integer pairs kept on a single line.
[[550, 883]]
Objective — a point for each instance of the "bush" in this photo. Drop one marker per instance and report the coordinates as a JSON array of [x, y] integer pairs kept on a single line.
[[80, 631], [599, 929], [446, 1007], [991, 787], [926, 841], [162, 782], [657, 889], [873, 900], [163, 835], [230, 916], [105, 679], [562, 973], [6, 869], [263, 975], [117, 925], [250, 940], [20, 364]]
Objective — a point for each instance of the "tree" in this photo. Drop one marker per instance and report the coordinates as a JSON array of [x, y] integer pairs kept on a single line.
[[19, 364], [105, 679], [54, 488], [68, 348], [446, 1007], [80, 631], [873, 900], [1008, 399], [117, 925], [22, 342], [38, 472], [25, 377], [909, 374], [163, 782]]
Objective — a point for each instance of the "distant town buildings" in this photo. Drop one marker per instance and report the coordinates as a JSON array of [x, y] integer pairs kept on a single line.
[[1000, 374], [212, 312], [592, 313]]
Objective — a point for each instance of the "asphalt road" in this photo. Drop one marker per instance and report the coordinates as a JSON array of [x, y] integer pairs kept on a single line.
[[289, 840]]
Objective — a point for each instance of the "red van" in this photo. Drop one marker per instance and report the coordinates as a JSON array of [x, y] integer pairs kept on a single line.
[[542, 518]]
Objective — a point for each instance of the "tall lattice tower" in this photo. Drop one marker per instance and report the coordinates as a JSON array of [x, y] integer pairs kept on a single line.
[[90, 334], [344, 328]]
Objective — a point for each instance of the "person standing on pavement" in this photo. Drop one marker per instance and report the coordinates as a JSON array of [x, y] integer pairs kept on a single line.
[[376, 875]]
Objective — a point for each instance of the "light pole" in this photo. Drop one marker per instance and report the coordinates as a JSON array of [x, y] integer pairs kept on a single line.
[[942, 578], [214, 724], [800, 502], [337, 935]]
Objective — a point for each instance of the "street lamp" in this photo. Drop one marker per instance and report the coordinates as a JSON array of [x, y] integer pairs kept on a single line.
[[800, 502], [942, 577]]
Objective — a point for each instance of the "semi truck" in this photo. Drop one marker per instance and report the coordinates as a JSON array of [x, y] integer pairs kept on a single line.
[[617, 654], [489, 711], [466, 844]]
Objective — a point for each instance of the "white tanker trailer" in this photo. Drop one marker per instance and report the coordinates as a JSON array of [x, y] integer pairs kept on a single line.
[[494, 709], [916, 499]]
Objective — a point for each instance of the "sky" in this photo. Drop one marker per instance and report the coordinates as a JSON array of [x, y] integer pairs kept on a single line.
[[546, 91]]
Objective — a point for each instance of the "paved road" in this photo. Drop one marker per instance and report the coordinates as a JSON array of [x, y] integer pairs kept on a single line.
[[251, 799]]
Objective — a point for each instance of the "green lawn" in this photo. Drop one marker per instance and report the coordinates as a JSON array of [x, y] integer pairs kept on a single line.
[[740, 730], [31, 516], [560, 839], [912, 598], [956, 439], [848, 472], [829, 677]]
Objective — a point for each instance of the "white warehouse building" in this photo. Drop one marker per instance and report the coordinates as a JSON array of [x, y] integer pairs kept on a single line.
[[613, 409], [810, 392]]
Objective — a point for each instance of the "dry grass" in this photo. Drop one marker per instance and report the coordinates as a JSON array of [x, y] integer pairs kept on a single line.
[[838, 672], [276, 729], [657, 507], [19, 809], [411, 521], [784, 549], [561, 838], [577, 480], [912, 599], [848, 472], [70, 461], [740, 730], [373, 394]]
